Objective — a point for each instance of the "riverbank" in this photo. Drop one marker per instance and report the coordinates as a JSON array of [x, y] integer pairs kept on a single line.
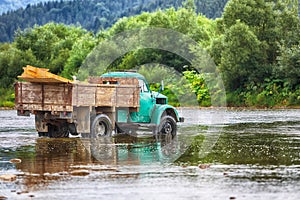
[[7, 108]]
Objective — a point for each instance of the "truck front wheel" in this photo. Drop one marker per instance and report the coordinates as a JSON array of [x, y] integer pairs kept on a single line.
[[167, 125], [101, 127]]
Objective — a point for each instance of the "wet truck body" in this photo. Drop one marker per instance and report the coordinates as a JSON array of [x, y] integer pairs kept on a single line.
[[113, 103]]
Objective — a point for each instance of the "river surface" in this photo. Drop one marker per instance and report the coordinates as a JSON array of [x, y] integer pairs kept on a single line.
[[218, 154]]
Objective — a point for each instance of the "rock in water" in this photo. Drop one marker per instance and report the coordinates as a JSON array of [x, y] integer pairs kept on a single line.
[[15, 160], [80, 173], [8, 177], [204, 166]]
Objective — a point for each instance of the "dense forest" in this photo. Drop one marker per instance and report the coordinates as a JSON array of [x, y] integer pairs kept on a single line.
[[255, 45], [9, 5], [92, 15]]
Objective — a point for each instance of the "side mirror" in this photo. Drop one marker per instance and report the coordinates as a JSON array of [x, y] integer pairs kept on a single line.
[[162, 86]]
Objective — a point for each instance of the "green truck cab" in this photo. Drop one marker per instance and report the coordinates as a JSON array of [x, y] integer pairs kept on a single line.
[[154, 112]]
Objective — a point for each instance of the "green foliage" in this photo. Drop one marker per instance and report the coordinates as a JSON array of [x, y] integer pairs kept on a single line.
[[269, 94], [93, 15], [11, 62], [183, 20], [7, 97], [289, 65], [81, 48], [198, 86], [172, 97], [187, 89], [258, 52], [51, 44], [237, 62]]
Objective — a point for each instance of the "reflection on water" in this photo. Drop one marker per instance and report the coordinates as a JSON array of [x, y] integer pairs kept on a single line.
[[58, 155], [58, 159], [53, 159], [128, 150]]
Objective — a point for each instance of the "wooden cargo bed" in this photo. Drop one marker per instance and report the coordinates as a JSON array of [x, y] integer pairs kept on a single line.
[[65, 96]]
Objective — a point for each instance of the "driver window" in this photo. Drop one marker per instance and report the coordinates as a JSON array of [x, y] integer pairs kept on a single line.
[[143, 86]]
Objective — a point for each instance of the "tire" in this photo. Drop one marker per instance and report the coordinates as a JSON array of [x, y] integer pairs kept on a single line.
[[118, 129], [61, 131], [101, 127], [167, 126], [72, 129]]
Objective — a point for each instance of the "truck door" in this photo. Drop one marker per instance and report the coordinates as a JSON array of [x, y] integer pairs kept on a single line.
[[146, 104]]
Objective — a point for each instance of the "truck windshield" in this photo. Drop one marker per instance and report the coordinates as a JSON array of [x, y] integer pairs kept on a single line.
[[143, 86]]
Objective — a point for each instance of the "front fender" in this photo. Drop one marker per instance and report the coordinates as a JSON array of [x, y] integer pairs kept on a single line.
[[160, 109]]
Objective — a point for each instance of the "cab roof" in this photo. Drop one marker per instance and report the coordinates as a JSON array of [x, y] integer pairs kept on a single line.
[[124, 75]]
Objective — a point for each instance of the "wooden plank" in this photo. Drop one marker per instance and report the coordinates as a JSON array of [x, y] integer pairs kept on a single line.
[[57, 94], [128, 96], [39, 107], [29, 93], [105, 95], [84, 95], [41, 75], [62, 97], [36, 96], [31, 96]]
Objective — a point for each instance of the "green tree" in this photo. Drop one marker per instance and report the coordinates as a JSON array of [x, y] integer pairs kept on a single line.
[[260, 16], [289, 65], [240, 57], [50, 44], [248, 55], [184, 20], [11, 62], [81, 48]]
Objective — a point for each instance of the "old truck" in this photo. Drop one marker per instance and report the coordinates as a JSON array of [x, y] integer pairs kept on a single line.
[[112, 103]]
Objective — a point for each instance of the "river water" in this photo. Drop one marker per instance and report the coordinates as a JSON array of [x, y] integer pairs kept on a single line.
[[218, 154]]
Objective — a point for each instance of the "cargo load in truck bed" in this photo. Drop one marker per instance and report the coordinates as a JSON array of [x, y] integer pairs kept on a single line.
[[45, 91]]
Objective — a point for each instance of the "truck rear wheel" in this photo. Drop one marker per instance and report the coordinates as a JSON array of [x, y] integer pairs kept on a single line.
[[61, 131], [101, 127], [167, 126]]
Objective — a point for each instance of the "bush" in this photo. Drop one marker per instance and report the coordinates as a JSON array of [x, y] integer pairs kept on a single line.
[[8, 104], [294, 98], [7, 97]]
